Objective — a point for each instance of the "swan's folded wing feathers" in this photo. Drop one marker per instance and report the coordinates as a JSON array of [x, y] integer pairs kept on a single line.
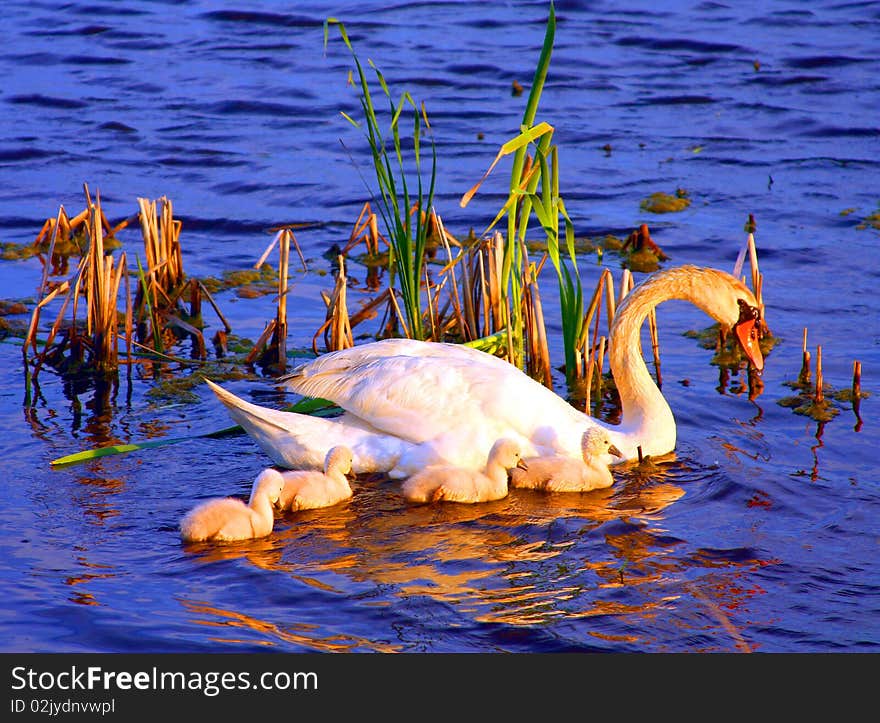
[[422, 397]]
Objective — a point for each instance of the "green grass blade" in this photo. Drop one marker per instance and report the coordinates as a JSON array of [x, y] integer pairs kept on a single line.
[[307, 405]]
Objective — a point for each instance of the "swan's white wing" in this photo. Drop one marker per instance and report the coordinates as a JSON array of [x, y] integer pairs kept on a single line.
[[300, 441], [431, 390]]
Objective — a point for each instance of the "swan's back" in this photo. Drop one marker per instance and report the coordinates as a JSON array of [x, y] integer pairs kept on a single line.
[[420, 391]]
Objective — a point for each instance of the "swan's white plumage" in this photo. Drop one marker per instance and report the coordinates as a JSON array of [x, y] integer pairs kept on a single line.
[[566, 474], [459, 484], [298, 441], [410, 404], [229, 518], [309, 489]]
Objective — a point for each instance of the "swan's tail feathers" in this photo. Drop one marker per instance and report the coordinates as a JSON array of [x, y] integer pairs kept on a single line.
[[289, 439], [246, 414]]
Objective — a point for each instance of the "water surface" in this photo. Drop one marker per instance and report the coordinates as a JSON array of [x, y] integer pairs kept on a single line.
[[760, 534]]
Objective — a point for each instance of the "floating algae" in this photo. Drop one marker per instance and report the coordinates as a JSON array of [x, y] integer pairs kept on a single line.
[[727, 350], [248, 283], [640, 252], [822, 410], [664, 203], [872, 220], [179, 390], [10, 251]]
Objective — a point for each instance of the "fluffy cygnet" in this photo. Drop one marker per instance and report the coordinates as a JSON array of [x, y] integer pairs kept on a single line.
[[565, 474], [458, 484], [228, 518], [309, 489]]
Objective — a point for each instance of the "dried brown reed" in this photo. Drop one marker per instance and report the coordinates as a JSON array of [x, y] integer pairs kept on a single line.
[[805, 374], [857, 390], [819, 395], [337, 329], [98, 276]]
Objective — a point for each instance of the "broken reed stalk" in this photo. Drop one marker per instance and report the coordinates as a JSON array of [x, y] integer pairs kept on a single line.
[[820, 393], [431, 311], [366, 230], [129, 327], [857, 387], [538, 361], [610, 306], [583, 342], [803, 379], [340, 327], [600, 365], [163, 277], [260, 344], [449, 271], [102, 290], [278, 344], [756, 273], [99, 276], [467, 282], [626, 285], [51, 251]]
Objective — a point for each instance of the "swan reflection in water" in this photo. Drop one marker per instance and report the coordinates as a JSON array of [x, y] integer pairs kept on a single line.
[[531, 558]]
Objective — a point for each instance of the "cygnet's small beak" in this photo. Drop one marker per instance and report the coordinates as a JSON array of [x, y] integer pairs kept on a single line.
[[522, 465], [615, 451]]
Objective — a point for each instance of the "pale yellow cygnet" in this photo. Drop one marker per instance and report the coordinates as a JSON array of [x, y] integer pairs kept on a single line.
[[459, 484], [566, 474], [309, 489], [229, 518]]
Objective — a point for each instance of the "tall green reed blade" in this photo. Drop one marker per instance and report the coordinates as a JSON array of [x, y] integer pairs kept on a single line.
[[548, 207], [154, 321], [512, 253], [307, 405], [517, 208], [407, 237]]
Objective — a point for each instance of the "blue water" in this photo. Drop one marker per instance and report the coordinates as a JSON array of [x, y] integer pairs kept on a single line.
[[761, 534]]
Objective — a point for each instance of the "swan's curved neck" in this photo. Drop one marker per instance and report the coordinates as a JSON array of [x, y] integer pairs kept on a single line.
[[647, 420]]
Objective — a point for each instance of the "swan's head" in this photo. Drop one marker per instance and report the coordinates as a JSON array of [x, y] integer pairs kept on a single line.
[[596, 442], [339, 458], [731, 303], [507, 453], [748, 331], [268, 483]]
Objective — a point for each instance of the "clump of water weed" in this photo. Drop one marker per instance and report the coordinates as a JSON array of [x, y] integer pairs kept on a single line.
[[179, 390], [727, 351], [248, 283], [11, 308], [872, 220], [10, 251], [807, 406], [640, 253], [817, 400], [665, 203], [582, 244]]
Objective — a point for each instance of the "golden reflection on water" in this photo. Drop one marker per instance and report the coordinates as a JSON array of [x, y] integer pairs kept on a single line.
[[499, 562], [227, 621], [530, 559]]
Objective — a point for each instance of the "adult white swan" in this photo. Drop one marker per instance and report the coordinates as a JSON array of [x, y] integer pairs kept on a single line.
[[409, 403]]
